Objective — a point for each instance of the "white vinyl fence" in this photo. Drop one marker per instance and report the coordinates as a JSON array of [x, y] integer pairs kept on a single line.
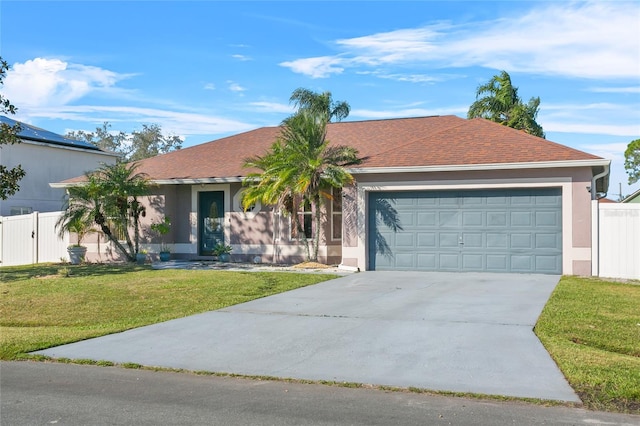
[[31, 238], [619, 240]]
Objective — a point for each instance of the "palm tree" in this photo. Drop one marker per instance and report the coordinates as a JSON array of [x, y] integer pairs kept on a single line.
[[320, 104], [498, 101], [109, 198], [301, 167]]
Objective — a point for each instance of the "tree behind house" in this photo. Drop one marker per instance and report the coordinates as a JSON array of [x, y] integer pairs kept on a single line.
[[9, 177], [498, 101], [140, 144]]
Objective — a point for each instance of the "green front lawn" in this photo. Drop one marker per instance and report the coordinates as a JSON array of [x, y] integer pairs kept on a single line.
[[591, 327], [48, 305]]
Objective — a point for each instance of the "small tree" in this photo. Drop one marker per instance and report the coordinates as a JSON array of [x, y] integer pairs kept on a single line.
[[300, 167], [632, 161], [110, 199], [162, 228]]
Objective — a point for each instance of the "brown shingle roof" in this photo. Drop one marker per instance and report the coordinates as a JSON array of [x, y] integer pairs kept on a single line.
[[405, 142]]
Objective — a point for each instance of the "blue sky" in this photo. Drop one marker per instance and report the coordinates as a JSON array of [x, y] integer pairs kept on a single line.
[[207, 69]]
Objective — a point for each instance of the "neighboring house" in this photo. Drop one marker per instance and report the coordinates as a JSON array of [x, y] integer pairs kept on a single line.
[[467, 195], [46, 157], [633, 198]]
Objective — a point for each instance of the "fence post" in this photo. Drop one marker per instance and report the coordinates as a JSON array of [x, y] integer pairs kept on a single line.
[[595, 238]]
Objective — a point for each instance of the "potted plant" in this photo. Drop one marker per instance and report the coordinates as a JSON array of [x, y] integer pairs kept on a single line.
[[81, 228], [163, 228], [223, 252], [141, 257]]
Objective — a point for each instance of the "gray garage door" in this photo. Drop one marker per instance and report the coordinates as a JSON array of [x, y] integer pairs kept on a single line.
[[516, 230]]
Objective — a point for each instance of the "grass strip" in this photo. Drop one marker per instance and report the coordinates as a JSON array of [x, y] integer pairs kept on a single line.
[[591, 328]]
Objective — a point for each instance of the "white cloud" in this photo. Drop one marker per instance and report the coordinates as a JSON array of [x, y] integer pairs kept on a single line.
[[596, 118], [241, 57], [411, 78], [408, 112], [320, 67], [630, 90], [172, 122], [591, 128], [587, 40], [272, 107], [49, 82], [235, 87], [611, 151], [209, 86]]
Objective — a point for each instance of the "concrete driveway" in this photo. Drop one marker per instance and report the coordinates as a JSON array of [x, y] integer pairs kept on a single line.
[[456, 332]]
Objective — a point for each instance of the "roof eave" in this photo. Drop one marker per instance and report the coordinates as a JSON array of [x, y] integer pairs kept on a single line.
[[176, 181], [481, 167]]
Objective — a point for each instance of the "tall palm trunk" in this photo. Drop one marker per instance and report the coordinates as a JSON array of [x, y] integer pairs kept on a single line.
[[318, 219]]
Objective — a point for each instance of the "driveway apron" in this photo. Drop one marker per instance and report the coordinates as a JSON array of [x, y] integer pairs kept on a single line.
[[470, 332]]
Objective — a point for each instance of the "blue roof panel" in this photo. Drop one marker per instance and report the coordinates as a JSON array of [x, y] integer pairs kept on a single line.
[[40, 135]]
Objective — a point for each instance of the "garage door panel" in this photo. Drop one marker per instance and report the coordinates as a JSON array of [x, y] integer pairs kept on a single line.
[[449, 218], [473, 262], [545, 218], [497, 200], [474, 218], [406, 219], [516, 230], [427, 240], [473, 240], [497, 263], [405, 240], [546, 241], [521, 218], [449, 261], [497, 241], [426, 219], [546, 263], [426, 261], [497, 219], [521, 241], [449, 240], [405, 260]]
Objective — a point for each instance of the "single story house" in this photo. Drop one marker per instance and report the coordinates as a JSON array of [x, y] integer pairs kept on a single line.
[[46, 157], [437, 193]]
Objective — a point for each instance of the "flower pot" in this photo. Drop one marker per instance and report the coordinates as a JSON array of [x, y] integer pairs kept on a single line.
[[165, 256], [224, 257], [76, 254], [141, 258]]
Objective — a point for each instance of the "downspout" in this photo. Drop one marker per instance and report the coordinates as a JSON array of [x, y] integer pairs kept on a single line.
[[594, 179], [595, 221]]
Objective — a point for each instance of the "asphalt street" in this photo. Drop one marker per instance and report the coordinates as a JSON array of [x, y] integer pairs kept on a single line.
[[35, 393]]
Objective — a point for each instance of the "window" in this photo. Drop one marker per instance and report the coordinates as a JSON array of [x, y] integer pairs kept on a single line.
[[336, 214], [20, 210], [305, 220]]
